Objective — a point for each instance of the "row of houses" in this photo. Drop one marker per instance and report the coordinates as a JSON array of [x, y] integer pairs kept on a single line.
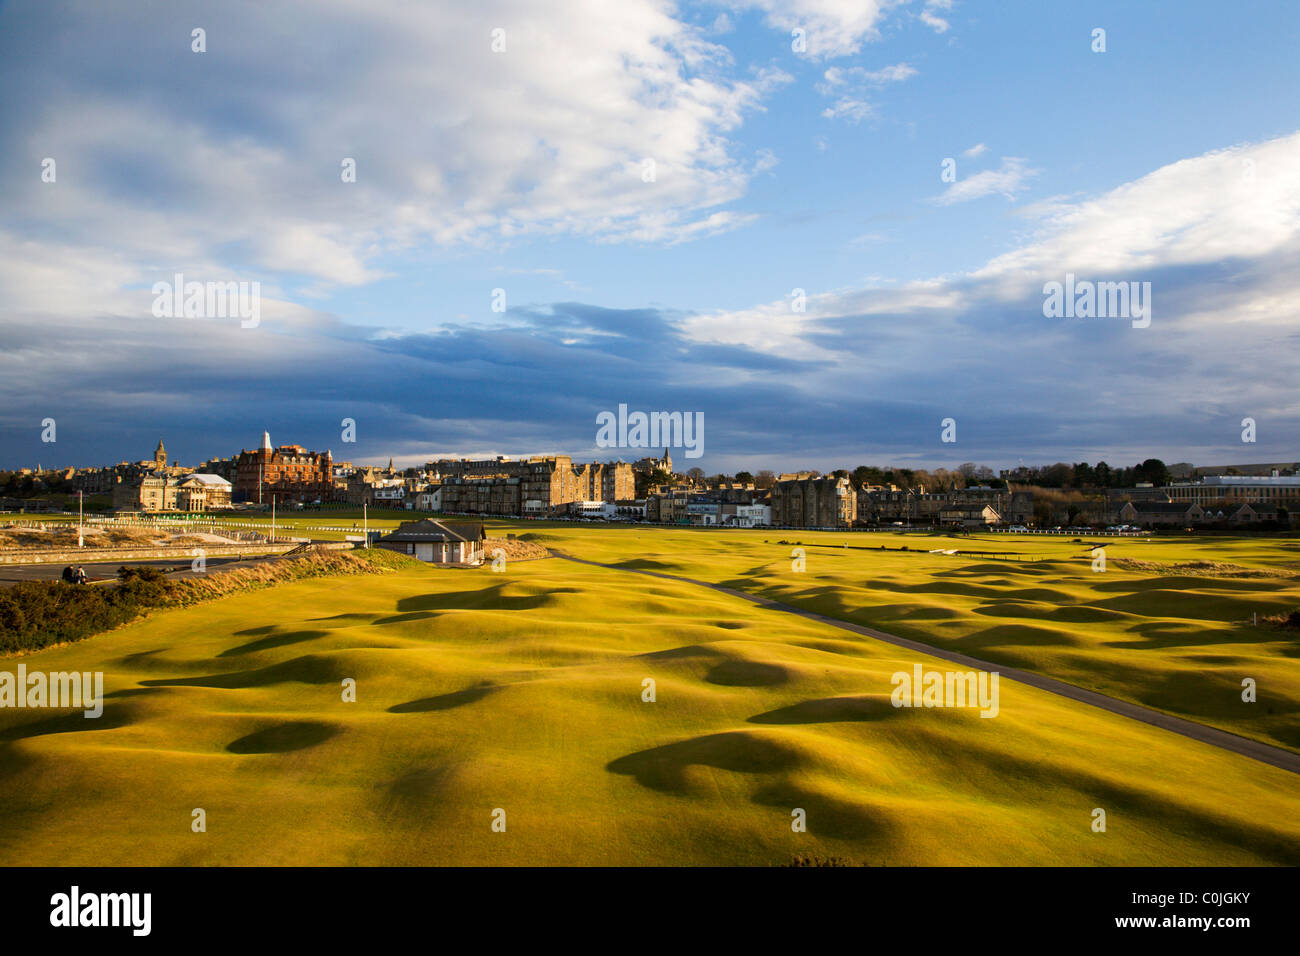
[[1180, 514]]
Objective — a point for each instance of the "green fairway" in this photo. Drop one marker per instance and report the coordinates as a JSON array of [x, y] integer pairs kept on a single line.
[[1179, 642], [522, 691]]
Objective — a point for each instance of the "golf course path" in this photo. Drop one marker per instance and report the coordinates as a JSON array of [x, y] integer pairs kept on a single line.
[[1254, 749]]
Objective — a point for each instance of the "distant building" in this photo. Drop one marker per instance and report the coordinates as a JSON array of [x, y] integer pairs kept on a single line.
[[429, 498], [152, 492], [881, 504], [969, 516], [1239, 489], [203, 493], [438, 542], [544, 485], [1161, 514], [1259, 513], [286, 473], [802, 501], [227, 468], [732, 504], [647, 465]]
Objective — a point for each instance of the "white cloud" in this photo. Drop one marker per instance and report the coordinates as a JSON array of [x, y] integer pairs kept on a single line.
[[978, 149], [938, 24], [1237, 203], [1007, 180], [833, 28], [165, 167], [931, 19], [850, 87], [1217, 235]]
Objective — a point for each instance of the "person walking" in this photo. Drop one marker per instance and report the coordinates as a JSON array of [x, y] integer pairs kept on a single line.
[[81, 575], [67, 574]]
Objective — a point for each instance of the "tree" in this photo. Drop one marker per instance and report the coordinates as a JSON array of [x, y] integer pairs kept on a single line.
[[695, 474], [764, 479], [1059, 475], [744, 477], [646, 481], [1154, 471], [1102, 472]]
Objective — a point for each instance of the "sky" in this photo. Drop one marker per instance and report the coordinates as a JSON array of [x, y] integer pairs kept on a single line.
[[826, 226]]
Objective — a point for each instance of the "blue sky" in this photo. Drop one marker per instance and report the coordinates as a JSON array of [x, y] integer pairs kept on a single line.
[[1172, 158]]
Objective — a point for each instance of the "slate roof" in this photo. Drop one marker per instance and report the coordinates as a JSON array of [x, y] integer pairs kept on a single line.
[[1163, 507], [428, 529]]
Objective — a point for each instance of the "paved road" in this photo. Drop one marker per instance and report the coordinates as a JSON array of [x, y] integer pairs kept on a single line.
[[1244, 746], [105, 572]]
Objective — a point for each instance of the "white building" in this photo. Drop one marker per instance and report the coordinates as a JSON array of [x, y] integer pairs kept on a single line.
[[429, 500], [604, 510], [750, 516]]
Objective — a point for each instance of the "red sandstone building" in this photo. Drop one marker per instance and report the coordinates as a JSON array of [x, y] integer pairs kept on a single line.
[[286, 473]]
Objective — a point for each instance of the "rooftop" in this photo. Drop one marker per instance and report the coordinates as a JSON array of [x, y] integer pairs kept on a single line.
[[430, 530]]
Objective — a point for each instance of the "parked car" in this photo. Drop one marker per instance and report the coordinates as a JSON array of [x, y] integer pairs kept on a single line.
[[1019, 528]]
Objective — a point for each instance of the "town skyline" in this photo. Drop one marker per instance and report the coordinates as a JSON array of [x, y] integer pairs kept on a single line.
[[632, 454]]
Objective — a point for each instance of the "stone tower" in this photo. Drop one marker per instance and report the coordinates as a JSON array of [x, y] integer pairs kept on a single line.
[[160, 456]]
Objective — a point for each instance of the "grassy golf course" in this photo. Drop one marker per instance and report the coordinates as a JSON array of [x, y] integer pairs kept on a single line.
[[522, 691]]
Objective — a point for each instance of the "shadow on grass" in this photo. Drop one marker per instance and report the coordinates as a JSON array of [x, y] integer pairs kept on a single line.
[[275, 640], [829, 710], [490, 598], [740, 673], [75, 722], [664, 768], [284, 738], [302, 670], [444, 701]]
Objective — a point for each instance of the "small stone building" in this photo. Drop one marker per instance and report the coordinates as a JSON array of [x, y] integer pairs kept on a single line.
[[438, 542]]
